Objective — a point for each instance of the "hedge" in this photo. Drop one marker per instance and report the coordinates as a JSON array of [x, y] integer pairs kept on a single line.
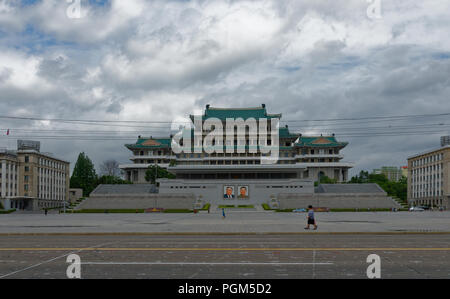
[[206, 207], [266, 207], [106, 211]]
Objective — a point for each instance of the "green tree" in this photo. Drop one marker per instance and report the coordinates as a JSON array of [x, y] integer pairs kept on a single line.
[[153, 173], [392, 188], [83, 175], [325, 180], [362, 178]]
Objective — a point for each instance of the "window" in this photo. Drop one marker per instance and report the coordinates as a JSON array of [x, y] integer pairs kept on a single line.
[[27, 159]]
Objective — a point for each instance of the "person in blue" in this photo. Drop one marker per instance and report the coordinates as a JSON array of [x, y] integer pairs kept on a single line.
[[223, 213], [310, 218]]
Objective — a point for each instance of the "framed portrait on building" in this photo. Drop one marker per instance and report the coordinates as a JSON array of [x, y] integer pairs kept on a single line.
[[243, 192], [228, 192]]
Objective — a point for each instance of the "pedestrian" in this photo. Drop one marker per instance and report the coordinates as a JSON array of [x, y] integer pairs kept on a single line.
[[223, 213], [45, 210], [310, 218]]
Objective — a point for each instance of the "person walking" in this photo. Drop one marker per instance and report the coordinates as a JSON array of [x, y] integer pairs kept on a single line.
[[45, 211], [223, 213], [310, 218]]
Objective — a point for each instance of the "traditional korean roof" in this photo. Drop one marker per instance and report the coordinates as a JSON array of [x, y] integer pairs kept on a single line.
[[284, 133], [244, 113], [320, 141], [142, 143]]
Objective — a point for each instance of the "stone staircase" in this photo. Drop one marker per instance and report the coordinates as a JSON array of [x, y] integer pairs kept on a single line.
[[400, 202]]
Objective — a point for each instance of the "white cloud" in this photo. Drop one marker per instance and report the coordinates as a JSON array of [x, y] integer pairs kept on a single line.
[[161, 60]]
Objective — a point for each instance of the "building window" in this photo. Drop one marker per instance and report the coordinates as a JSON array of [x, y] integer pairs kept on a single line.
[[27, 159]]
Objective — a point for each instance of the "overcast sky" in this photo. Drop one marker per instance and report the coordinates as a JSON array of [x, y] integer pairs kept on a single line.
[[163, 60]]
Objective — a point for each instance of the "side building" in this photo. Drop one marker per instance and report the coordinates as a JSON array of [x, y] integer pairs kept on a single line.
[[429, 178], [32, 180], [9, 166], [392, 173]]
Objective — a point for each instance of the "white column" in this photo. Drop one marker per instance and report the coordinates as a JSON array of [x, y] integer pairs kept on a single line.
[[13, 171], [52, 178], [3, 170]]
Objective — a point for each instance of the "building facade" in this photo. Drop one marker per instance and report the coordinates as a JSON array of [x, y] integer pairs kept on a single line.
[[42, 180], [300, 160], [429, 178], [9, 166], [392, 173]]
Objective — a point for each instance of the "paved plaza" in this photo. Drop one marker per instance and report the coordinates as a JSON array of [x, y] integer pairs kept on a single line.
[[255, 245], [226, 257], [235, 222]]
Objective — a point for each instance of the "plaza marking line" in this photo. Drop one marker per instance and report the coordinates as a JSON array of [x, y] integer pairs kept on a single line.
[[201, 263], [228, 249], [51, 260]]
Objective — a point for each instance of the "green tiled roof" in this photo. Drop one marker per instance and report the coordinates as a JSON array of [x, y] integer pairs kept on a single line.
[[320, 141], [150, 143], [284, 133], [244, 113]]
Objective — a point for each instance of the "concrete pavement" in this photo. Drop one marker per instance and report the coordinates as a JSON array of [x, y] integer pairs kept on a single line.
[[226, 257], [235, 222]]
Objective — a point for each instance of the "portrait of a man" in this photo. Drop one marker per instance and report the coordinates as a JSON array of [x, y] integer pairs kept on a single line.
[[243, 192], [228, 192]]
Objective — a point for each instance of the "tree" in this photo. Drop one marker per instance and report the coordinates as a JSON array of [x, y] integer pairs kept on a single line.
[[392, 188], [325, 180], [152, 174], [110, 168], [83, 175], [362, 178]]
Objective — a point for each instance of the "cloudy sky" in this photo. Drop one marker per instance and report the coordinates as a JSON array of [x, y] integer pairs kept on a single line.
[[163, 60]]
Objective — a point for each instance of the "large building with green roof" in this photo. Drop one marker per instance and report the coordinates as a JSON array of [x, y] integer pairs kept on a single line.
[[300, 160]]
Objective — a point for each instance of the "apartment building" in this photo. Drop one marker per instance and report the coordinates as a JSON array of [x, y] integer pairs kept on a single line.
[[429, 178], [39, 180]]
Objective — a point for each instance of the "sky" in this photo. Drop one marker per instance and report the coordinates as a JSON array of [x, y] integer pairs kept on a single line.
[[163, 60]]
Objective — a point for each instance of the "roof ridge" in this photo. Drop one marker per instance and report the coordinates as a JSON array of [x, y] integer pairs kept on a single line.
[[314, 136], [235, 108]]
